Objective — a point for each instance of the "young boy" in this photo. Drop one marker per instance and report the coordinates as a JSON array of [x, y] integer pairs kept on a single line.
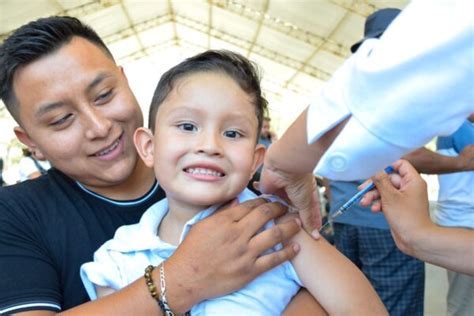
[[205, 119]]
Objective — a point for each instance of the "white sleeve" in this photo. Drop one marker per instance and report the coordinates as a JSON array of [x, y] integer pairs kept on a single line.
[[103, 271], [414, 83]]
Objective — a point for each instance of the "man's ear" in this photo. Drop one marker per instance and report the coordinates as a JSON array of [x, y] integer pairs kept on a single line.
[[143, 140], [122, 71], [23, 137], [258, 156]]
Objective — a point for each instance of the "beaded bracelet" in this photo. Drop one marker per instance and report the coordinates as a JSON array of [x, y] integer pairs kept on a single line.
[[162, 302]]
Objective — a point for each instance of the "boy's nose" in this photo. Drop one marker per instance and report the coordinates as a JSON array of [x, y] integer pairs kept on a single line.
[[209, 144]]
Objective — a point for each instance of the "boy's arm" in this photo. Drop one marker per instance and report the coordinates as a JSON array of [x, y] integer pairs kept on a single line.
[[337, 284], [303, 303]]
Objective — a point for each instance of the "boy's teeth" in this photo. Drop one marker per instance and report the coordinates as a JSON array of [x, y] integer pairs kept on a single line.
[[204, 171], [106, 151]]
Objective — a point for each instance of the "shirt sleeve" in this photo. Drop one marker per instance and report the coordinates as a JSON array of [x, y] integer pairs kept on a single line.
[[411, 85], [29, 279], [103, 271]]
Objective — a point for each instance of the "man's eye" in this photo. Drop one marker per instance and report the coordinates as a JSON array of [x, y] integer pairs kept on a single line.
[[187, 127], [104, 96], [61, 120], [232, 134]]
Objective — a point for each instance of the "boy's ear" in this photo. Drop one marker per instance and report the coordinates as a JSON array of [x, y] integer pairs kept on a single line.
[[143, 140], [258, 156], [23, 137]]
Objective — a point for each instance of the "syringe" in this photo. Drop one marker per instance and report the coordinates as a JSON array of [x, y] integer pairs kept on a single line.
[[352, 200]]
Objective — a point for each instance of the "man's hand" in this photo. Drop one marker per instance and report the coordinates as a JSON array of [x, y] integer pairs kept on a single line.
[[300, 191], [224, 252], [404, 201]]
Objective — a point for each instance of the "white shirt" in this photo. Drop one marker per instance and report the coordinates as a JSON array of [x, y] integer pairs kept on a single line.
[[123, 259], [27, 167], [414, 83]]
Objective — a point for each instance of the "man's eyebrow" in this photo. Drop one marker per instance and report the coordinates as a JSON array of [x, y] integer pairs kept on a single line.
[[43, 109], [97, 80]]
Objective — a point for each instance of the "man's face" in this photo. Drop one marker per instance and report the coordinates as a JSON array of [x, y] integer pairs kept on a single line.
[[204, 147], [77, 111]]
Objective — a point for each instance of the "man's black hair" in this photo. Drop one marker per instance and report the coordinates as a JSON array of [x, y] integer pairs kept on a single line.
[[234, 65], [34, 40]]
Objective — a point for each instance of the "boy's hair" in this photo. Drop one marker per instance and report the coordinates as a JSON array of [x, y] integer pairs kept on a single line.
[[234, 65], [33, 41]]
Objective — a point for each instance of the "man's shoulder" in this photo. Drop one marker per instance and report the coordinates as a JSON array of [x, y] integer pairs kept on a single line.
[[49, 187]]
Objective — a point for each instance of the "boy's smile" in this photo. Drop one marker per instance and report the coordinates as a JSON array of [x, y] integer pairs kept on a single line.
[[204, 145]]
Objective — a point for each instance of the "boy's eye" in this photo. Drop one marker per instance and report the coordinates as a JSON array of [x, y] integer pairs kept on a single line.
[[232, 134], [189, 127]]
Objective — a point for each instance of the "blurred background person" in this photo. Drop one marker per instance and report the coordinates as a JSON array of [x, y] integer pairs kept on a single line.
[[30, 167], [267, 136], [2, 182]]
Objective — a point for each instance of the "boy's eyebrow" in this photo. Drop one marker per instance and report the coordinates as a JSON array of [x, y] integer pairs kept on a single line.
[[48, 107]]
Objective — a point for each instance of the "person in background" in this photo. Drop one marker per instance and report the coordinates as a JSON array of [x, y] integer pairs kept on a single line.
[[364, 237], [422, 72], [267, 136], [2, 182], [454, 164], [30, 167]]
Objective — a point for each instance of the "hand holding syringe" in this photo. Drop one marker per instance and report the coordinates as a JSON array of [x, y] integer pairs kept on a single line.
[[352, 200]]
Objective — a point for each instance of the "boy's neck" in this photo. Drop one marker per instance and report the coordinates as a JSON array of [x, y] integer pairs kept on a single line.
[[178, 215]]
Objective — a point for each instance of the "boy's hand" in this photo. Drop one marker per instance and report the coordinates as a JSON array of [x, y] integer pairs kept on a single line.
[[223, 252], [300, 191]]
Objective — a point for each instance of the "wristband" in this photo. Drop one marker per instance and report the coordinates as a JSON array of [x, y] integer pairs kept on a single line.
[[160, 299]]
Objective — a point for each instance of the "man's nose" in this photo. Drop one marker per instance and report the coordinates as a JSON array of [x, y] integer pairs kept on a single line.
[[98, 125]]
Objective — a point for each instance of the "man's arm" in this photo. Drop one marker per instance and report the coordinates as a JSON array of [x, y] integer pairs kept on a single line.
[[405, 206], [205, 266], [430, 162]]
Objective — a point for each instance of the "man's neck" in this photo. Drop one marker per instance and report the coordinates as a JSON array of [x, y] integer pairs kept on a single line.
[[134, 187]]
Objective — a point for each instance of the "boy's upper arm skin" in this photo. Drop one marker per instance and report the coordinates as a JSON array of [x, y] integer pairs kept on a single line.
[[329, 276]]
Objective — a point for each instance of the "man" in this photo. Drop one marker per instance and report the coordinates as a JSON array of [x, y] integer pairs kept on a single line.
[[364, 237], [454, 164], [75, 109]]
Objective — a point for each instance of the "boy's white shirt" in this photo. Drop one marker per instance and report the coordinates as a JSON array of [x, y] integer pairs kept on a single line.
[[122, 260]]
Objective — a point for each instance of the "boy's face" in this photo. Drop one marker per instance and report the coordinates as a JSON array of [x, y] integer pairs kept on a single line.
[[204, 149], [78, 112]]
